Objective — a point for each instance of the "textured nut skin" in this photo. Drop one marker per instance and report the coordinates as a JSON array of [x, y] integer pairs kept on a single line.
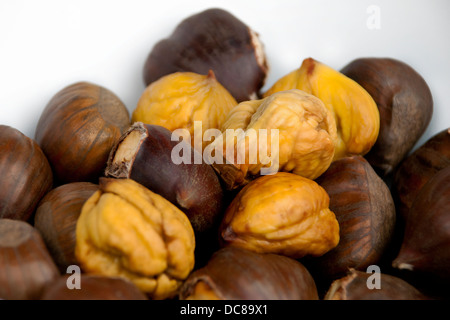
[[193, 187], [93, 287], [365, 210], [126, 230], [26, 174], [306, 133], [26, 266], [405, 104], [427, 234], [354, 287], [56, 218], [418, 168], [77, 130], [215, 40], [178, 100], [355, 112], [238, 274], [283, 214]]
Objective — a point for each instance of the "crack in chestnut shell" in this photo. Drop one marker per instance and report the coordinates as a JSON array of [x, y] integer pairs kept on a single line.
[[405, 104], [27, 175], [365, 210], [213, 39], [238, 274], [77, 130]]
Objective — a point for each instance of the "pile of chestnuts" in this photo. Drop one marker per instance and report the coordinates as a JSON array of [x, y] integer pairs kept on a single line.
[[153, 205]]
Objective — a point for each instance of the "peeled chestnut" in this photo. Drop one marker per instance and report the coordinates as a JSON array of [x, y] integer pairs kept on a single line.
[[426, 242], [56, 218], [77, 130], [213, 39], [354, 286], [418, 168], [365, 210], [26, 174], [145, 154], [26, 266], [237, 274], [93, 287], [405, 104]]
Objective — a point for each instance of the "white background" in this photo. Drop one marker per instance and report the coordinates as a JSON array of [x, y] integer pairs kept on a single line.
[[46, 45]]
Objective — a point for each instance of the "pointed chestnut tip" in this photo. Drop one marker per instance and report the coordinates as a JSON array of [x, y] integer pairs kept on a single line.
[[211, 75], [309, 64]]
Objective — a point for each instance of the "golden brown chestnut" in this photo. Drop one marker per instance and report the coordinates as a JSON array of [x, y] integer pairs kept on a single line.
[[426, 242], [77, 130], [146, 153], [26, 174], [237, 274], [405, 104], [214, 40], [418, 168], [56, 218], [93, 287], [365, 210], [354, 286], [26, 266]]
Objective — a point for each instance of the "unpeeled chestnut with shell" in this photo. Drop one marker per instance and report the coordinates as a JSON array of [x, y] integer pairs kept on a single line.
[[56, 218], [215, 40], [77, 130], [26, 266], [26, 174], [238, 274]]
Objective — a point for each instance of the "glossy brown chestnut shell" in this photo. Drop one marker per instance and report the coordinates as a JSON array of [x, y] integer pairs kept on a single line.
[[93, 287], [56, 218], [26, 266], [418, 168], [77, 130], [144, 154], [215, 40], [26, 174], [405, 104], [238, 274]]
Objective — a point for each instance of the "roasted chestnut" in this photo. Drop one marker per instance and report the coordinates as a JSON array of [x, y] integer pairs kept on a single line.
[[237, 274], [26, 174], [214, 40], [56, 218], [26, 266], [77, 130], [405, 104]]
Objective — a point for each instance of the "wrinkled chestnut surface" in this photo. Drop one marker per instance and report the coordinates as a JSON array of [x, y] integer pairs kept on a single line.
[[77, 130], [26, 266], [238, 274], [365, 210], [215, 40], [405, 104], [355, 286], [56, 218], [26, 174], [128, 231], [145, 154], [283, 214]]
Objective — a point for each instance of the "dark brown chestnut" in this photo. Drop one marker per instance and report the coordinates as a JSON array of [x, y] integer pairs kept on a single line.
[[215, 40], [354, 286], [405, 104], [418, 168], [144, 154], [365, 210], [93, 287], [26, 266], [26, 174], [56, 218], [426, 244], [77, 130], [238, 274]]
